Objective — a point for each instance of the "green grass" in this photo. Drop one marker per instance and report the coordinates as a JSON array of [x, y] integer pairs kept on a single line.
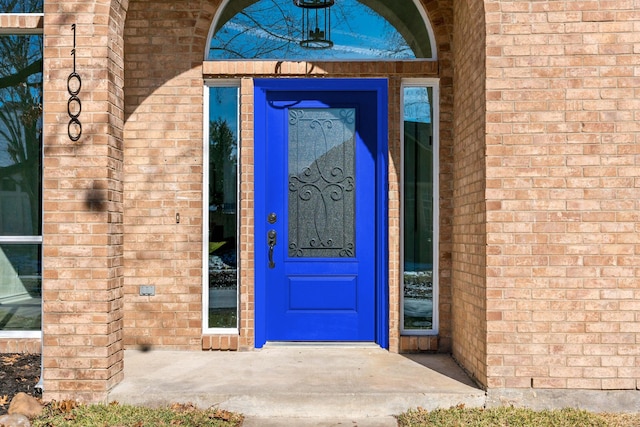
[[514, 417], [68, 414]]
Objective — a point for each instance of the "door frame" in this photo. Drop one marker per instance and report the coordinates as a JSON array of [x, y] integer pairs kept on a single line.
[[380, 86]]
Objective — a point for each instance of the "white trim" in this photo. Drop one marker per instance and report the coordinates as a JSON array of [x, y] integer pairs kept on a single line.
[[205, 207], [433, 83], [427, 24], [417, 4], [20, 239], [214, 23], [206, 330], [20, 334]]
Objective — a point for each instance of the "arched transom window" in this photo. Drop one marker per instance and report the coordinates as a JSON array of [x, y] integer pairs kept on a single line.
[[320, 30]]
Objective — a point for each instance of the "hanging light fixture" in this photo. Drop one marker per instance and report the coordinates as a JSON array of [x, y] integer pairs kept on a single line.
[[316, 23]]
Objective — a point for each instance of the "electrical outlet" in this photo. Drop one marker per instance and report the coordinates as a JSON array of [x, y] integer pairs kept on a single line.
[[147, 290]]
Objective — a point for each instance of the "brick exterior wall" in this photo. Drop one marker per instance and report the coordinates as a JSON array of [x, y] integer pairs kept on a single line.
[[20, 345], [163, 164], [82, 235], [562, 191], [163, 172], [442, 20], [247, 198], [538, 189], [469, 209]]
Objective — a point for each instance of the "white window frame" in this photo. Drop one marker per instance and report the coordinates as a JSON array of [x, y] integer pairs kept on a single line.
[[9, 31], [433, 83], [206, 330]]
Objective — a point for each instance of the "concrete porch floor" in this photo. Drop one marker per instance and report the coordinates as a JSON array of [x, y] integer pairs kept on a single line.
[[300, 385]]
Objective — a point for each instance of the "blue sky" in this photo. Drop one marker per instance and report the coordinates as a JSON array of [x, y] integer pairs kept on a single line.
[[223, 103]]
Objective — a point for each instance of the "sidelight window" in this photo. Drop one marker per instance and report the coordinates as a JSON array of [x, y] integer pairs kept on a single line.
[[420, 213], [221, 211]]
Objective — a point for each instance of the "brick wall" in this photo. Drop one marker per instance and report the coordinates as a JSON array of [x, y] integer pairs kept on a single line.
[[20, 345], [441, 15], [82, 243], [111, 199], [563, 245], [469, 209], [247, 197], [163, 170], [539, 189], [164, 47]]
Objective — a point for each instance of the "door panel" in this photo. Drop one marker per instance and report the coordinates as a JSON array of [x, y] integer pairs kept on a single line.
[[316, 257], [309, 293]]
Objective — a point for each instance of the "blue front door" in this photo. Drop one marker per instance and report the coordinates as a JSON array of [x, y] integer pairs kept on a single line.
[[319, 210]]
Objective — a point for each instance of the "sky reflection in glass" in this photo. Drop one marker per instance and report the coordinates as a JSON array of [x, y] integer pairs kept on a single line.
[[272, 29]]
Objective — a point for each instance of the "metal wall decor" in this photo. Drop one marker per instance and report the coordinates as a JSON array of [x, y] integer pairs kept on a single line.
[[316, 23], [74, 106]]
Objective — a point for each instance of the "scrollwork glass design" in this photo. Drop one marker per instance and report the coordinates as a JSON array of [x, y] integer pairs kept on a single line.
[[321, 196]]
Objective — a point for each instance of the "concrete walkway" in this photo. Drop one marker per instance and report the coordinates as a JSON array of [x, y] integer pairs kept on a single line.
[[298, 385]]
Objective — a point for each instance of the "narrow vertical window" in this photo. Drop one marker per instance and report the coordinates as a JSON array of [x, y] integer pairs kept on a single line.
[[419, 293], [20, 183], [222, 212]]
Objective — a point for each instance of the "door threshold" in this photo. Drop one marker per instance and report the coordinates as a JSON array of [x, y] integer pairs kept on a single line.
[[322, 344]]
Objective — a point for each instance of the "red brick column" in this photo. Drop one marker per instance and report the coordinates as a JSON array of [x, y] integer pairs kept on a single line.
[[82, 271]]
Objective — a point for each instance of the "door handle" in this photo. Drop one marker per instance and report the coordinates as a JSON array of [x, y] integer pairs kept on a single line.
[[271, 241]]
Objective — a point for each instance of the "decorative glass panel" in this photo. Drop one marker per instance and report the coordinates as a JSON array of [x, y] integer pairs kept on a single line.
[[20, 290], [418, 209], [321, 182], [223, 216]]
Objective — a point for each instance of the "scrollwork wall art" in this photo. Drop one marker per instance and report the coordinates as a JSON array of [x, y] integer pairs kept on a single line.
[[74, 106]]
